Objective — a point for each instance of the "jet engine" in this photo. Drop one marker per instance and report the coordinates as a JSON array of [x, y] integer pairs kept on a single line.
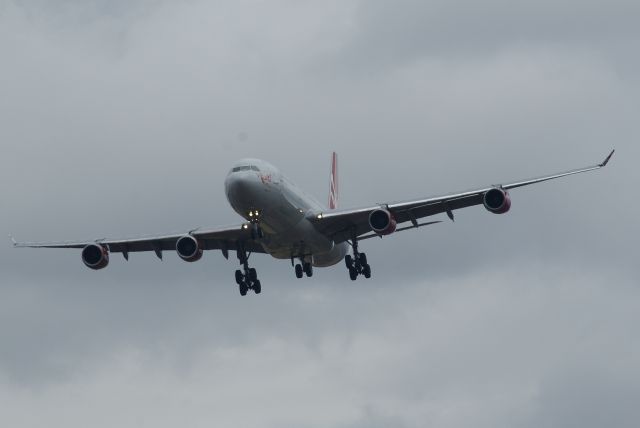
[[189, 249], [382, 222], [497, 201], [95, 256]]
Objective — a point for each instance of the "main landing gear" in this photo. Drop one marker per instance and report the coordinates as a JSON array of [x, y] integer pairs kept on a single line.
[[357, 264], [303, 268], [247, 279]]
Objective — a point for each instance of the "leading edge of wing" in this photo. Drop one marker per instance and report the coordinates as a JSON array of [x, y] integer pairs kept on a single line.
[[559, 175], [60, 244], [116, 245], [331, 216], [103, 241]]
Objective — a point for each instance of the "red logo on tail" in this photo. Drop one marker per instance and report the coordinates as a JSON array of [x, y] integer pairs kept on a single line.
[[333, 189]]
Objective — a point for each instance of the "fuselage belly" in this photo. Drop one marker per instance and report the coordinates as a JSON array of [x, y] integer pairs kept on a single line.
[[283, 209]]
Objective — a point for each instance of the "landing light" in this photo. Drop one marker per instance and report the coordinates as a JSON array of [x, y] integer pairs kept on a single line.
[[245, 226], [250, 213], [319, 216]]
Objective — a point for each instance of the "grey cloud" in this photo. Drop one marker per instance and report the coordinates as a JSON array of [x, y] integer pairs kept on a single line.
[[442, 353], [394, 32], [371, 418], [124, 122], [593, 396]]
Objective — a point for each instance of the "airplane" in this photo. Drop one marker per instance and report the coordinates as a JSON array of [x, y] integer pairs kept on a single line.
[[285, 222]]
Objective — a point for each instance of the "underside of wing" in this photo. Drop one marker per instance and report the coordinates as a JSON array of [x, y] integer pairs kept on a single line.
[[344, 225], [224, 239], [383, 219]]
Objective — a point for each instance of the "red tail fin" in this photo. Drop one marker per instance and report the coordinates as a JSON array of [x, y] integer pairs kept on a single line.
[[333, 189]]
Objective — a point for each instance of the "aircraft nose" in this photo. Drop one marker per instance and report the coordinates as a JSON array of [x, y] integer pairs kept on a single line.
[[240, 184], [236, 187]]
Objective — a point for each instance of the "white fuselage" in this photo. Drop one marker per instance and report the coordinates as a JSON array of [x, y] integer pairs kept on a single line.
[[284, 211]]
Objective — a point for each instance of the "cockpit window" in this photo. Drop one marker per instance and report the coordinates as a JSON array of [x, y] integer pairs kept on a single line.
[[245, 168]]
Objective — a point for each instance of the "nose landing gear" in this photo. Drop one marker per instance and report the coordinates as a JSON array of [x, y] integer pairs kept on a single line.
[[256, 231], [254, 220]]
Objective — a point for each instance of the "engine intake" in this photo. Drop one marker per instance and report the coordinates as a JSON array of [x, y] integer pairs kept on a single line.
[[382, 222], [95, 256], [189, 249], [497, 201]]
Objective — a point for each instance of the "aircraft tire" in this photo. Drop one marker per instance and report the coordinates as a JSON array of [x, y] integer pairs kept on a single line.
[[239, 277], [299, 271], [253, 275], [257, 287], [308, 270], [353, 274], [348, 261], [243, 289], [366, 271], [363, 259]]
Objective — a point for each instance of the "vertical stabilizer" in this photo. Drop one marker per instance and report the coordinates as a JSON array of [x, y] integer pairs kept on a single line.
[[333, 189]]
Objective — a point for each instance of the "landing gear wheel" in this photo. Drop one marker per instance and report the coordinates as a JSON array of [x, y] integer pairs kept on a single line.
[[243, 288], [363, 259], [299, 271], [308, 270], [357, 263], [247, 277], [366, 271], [348, 261], [239, 277]]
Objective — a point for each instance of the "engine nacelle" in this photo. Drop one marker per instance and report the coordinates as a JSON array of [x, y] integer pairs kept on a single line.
[[189, 249], [95, 256], [497, 201], [382, 222]]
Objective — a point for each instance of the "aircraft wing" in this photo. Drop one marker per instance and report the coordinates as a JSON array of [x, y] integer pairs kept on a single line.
[[344, 225], [224, 239]]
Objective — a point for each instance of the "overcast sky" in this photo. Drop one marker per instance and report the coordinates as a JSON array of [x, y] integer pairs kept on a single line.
[[122, 118]]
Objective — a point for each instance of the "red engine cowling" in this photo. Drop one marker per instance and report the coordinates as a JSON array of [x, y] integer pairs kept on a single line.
[[189, 249], [95, 256], [497, 201], [382, 222]]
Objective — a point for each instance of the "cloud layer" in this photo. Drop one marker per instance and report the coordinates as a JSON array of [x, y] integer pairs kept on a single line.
[[122, 118]]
